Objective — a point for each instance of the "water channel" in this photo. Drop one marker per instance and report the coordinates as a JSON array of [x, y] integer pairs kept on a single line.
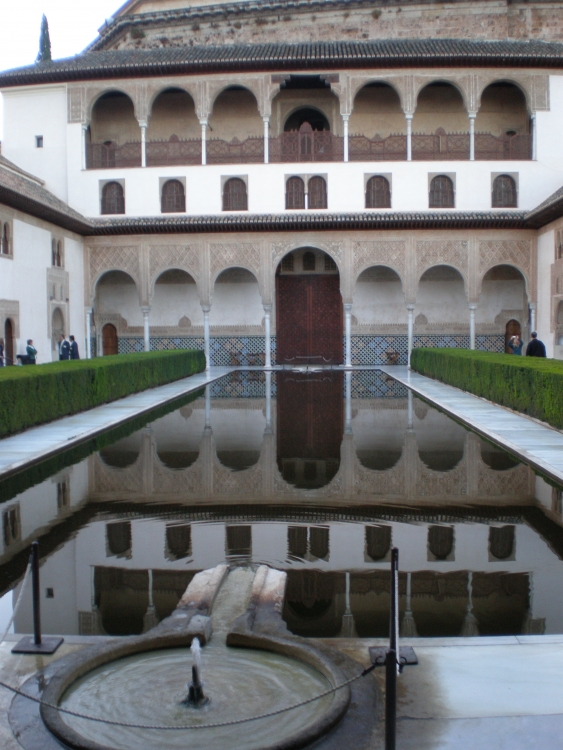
[[317, 474]]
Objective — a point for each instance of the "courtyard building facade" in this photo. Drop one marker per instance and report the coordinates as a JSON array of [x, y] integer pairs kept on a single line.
[[318, 201]]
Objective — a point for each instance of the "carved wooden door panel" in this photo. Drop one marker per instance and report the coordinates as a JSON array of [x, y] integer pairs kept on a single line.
[[309, 319], [109, 339]]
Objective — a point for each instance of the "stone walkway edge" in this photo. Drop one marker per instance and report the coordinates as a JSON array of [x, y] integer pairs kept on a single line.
[[536, 444], [34, 445]]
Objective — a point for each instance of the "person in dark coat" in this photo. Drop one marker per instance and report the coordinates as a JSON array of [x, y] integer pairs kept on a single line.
[[64, 349], [1, 352], [74, 349], [535, 348], [31, 352]]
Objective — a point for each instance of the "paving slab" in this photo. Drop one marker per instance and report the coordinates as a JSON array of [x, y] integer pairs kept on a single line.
[[39, 443], [537, 444]]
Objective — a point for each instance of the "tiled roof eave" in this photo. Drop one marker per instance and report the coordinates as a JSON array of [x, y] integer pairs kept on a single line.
[[71, 221], [285, 56], [306, 222]]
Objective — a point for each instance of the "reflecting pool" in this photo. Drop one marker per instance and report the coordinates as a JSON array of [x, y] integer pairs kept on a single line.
[[317, 474]]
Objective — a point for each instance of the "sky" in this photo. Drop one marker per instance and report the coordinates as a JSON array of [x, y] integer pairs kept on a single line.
[[73, 24]]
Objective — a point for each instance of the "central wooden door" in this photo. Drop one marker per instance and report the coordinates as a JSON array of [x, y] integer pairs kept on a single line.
[[309, 319], [109, 339]]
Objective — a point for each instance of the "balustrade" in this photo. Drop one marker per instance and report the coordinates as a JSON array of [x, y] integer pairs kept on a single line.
[[440, 146], [491, 147], [392, 148], [306, 145], [249, 151], [112, 156], [173, 152]]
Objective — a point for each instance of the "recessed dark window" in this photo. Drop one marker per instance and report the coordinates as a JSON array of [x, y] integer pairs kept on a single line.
[[504, 192], [295, 193], [113, 198], [378, 194], [317, 192], [50, 593], [173, 197], [38, 141], [234, 195], [287, 263], [441, 192], [309, 263]]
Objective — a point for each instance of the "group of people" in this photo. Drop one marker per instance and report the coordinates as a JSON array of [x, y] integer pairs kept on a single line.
[[535, 348], [68, 349]]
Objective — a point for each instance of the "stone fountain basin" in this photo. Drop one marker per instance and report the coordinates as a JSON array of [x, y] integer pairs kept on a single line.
[[280, 734]]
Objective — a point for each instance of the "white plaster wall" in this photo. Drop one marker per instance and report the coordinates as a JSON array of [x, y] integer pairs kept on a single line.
[[381, 301], [238, 429], [501, 295], [442, 302], [236, 304], [122, 299], [31, 111], [546, 256], [171, 302], [74, 264]]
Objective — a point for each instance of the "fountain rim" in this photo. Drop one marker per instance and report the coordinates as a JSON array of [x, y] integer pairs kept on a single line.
[[80, 664]]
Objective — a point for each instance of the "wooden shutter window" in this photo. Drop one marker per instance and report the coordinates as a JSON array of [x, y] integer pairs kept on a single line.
[[118, 537], [295, 193], [309, 261], [378, 194], [179, 540], [5, 241], [441, 541], [441, 192], [501, 541], [173, 199], [113, 198], [288, 262], [378, 541], [317, 193], [504, 192], [234, 195]]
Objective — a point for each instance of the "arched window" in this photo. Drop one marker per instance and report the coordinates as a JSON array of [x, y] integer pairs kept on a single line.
[[501, 541], [234, 195], [441, 192], [113, 198], [504, 192], [53, 252], [118, 538], [295, 193], [287, 263], [378, 194], [440, 541], [309, 261], [317, 193], [6, 249], [173, 199], [59, 255], [378, 541]]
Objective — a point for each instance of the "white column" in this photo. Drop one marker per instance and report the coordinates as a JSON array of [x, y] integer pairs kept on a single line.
[[348, 334], [532, 316], [206, 309], [203, 124], [84, 134], [409, 137], [268, 402], [472, 309], [143, 143], [410, 410], [534, 136], [348, 396], [410, 332], [146, 328], [345, 119], [268, 337], [266, 119], [472, 116], [88, 333], [208, 406]]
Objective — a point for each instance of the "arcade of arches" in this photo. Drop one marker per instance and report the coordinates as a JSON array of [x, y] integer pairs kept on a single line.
[[359, 298]]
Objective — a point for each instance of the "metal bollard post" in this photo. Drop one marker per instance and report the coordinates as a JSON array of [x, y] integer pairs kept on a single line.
[[390, 699], [37, 644]]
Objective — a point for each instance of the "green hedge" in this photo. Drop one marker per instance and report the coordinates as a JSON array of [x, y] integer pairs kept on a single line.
[[32, 395], [531, 385]]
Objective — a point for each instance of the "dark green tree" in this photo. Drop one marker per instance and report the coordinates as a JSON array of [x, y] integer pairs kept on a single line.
[[44, 42]]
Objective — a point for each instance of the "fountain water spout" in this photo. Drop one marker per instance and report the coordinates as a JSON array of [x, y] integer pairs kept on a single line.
[[196, 696]]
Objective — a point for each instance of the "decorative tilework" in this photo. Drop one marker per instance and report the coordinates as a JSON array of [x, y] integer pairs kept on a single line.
[[490, 343], [376, 384], [371, 349]]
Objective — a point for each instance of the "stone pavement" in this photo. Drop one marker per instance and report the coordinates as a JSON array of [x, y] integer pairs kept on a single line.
[[536, 443]]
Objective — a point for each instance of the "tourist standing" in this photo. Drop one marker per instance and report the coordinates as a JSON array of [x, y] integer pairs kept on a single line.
[[1, 352], [74, 349], [64, 349], [535, 348], [31, 352], [515, 343]]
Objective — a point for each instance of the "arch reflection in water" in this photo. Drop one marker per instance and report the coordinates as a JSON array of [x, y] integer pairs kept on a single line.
[[124, 452], [310, 427]]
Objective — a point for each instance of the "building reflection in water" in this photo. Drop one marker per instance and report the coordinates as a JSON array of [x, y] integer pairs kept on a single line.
[[318, 475]]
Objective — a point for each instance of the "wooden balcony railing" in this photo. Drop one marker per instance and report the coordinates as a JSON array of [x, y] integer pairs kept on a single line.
[[173, 152], [392, 148], [250, 151], [440, 146], [491, 147], [306, 145], [111, 156]]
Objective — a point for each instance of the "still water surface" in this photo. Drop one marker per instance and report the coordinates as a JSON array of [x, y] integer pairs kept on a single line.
[[316, 474]]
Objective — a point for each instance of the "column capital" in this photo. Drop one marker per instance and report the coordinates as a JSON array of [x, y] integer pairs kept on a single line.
[[409, 115], [347, 307], [204, 122], [532, 305], [267, 307], [345, 117], [472, 115], [143, 123], [266, 119], [89, 310], [410, 307], [472, 305], [145, 309], [205, 307]]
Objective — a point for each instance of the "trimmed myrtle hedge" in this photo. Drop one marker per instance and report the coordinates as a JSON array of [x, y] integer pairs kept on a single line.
[[32, 395], [531, 385]]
